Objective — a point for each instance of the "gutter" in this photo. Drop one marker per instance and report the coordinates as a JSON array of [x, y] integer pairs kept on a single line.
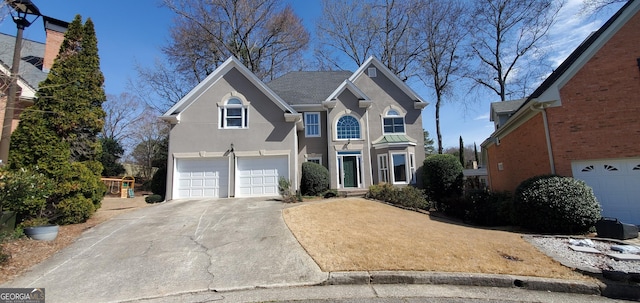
[[541, 107]]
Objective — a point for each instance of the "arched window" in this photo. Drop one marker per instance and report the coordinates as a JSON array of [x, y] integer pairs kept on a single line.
[[393, 122], [348, 127], [234, 114]]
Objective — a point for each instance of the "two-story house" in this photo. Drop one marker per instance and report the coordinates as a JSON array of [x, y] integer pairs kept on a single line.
[[235, 136]]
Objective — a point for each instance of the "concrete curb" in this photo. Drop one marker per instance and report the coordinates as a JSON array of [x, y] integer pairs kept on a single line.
[[464, 279]]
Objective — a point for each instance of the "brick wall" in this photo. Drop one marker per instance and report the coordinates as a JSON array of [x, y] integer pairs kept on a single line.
[[600, 113], [52, 47], [523, 154]]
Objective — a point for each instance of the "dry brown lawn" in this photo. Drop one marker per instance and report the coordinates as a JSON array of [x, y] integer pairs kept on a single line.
[[355, 234], [25, 252]]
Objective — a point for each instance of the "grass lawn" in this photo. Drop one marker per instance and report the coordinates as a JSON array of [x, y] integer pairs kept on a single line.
[[355, 234]]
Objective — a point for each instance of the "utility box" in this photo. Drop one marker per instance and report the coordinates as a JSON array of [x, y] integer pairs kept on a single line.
[[614, 229]]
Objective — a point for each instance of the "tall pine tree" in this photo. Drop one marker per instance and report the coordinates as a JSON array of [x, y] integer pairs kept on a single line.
[[58, 134]]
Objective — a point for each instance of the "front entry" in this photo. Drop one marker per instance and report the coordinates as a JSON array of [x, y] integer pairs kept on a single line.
[[350, 171]]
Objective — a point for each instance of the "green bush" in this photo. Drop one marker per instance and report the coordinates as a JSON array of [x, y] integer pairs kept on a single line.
[[153, 198], [489, 208], [442, 178], [75, 209], [407, 196], [24, 192], [158, 184], [315, 179], [555, 204]]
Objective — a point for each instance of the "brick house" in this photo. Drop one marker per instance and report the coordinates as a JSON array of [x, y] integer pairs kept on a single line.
[[583, 121], [36, 61]]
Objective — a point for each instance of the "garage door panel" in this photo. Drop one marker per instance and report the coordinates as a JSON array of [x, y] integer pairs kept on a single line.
[[616, 184], [259, 176], [202, 178]]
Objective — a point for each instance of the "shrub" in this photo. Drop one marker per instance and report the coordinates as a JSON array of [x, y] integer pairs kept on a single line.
[[284, 187], [24, 192], [330, 193], [315, 179], [555, 204], [488, 208], [407, 196], [442, 178], [158, 183], [153, 198], [76, 209]]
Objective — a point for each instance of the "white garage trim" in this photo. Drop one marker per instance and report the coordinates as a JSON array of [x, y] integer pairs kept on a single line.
[[258, 176], [616, 184], [201, 178]]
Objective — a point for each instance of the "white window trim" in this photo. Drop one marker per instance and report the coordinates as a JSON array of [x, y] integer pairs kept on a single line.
[[383, 168], [244, 114], [412, 167], [306, 134], [347, 139], [392, 169], [359, 169], [319, 158], [387, 116]]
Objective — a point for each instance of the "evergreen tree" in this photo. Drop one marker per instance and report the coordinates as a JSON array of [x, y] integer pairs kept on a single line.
[[58, 134], [111, 152], [461, 153]]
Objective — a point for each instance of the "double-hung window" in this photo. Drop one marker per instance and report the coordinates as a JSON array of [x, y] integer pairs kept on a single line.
[[312, 124], [393, 123], [234, 114], [399, 165]]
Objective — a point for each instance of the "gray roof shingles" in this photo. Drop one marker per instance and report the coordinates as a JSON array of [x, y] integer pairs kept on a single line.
[[307, 87], [31, 54]]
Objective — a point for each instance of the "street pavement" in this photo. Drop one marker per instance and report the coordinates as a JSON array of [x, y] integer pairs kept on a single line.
[[240, 250]]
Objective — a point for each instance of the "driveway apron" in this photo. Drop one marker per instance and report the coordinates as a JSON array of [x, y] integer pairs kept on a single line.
[[177, 247]]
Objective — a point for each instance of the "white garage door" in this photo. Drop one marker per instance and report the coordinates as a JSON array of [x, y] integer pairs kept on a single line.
[[259, 176], [201, 178], [616, 184]]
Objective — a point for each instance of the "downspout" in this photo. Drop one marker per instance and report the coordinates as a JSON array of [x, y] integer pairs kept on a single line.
[[545, 122]]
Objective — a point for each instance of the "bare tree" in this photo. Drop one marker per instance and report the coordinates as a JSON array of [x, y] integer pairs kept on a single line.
[[265, 36], [150, 140], [441, 27], [594, 6], [161, 86], [360, 29], [506, 35], [122, 114]]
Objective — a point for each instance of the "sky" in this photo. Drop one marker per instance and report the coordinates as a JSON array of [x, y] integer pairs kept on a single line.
[[132, 32]]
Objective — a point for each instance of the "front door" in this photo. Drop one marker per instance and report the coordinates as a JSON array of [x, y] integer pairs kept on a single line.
[[350, 171]]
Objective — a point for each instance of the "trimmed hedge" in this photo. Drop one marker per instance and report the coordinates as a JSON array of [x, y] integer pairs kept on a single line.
[[442, 179], [407, 196], [315, 179], [489, 208], [555, 204]]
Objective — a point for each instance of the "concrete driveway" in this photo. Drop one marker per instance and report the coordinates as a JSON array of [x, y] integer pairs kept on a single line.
[[177, 247]]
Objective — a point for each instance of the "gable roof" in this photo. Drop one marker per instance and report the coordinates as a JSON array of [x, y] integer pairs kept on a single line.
[[32, 53], [505, 107], [217, 74], [307, 87], [346, 84], [602, 34], [390, 75]]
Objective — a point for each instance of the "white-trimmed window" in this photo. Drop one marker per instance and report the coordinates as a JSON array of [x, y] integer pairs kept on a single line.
[[234, 114], [316, 160], [399, 166], [393, 122], [312, 124], [383, 168], [348, 127], [412, 167]]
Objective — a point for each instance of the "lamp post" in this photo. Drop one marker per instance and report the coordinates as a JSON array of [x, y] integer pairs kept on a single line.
[[20, 10]]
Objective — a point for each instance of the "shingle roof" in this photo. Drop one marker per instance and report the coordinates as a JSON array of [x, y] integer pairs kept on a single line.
[[507, 106], [307, 87], [32, 56], [564, 66]]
